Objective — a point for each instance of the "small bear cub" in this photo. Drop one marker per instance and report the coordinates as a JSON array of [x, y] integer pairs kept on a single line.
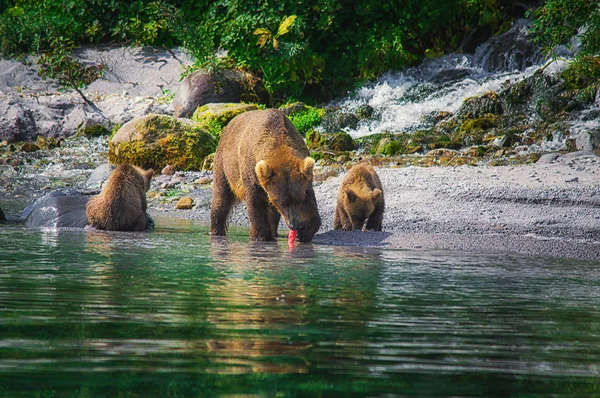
[[121, 205], [360, 198]]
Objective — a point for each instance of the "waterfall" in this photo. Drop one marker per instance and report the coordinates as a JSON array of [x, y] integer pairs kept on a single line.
[[402, 101]]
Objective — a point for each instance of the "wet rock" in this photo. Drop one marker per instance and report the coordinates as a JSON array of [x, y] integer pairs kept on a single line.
[[364, 111], [57, 209], [337, 121], [339, 141], [509, 51], [200, 88], [153, 141], [476, 107], [185, 203]]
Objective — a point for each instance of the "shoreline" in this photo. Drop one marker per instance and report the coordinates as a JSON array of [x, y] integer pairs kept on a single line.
[[550, 208]]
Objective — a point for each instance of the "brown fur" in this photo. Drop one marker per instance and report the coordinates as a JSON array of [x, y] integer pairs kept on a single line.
[[121, 206], [262, 159], [360, 198]]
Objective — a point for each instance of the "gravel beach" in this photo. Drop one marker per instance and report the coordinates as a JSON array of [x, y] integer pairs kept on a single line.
[[549, 208]]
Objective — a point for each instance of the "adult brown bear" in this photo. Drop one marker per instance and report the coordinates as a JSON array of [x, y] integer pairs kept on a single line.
[[360, 198], [262, 159], [121, 206]]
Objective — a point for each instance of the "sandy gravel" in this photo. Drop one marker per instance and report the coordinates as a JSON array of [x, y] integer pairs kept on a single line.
[[550, 208]]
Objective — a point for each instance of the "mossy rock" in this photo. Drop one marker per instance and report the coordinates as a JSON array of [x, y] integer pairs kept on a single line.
[[90, 128], [337, 142], [475, 107], [154, 141], [389, 146], [213, 117]]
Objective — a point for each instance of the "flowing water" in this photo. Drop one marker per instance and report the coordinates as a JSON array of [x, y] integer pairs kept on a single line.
[[406, 101], [176, 313]]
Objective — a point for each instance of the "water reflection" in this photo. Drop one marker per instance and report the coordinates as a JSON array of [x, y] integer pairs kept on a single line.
[[120, 313]]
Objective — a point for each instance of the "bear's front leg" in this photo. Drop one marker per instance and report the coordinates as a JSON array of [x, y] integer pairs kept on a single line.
[[223, 200], [259, 208], [375, 219]]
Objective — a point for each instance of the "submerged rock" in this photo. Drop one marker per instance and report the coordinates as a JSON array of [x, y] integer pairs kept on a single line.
[[57, 209]]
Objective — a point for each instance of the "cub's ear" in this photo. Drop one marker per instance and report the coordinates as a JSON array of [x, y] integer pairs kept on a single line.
[[149, 173], [263, 172], [350, 195], [307, 166], [376, 194]]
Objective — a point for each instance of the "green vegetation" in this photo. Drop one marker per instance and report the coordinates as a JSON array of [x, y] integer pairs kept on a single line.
[[306, 119], [315, 49]]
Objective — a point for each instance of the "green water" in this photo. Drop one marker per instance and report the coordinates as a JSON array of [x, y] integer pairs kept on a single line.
[[175, 313]]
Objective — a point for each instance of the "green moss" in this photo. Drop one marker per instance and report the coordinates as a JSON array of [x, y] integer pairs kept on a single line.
[[165, 140], [93, 130], [307, 119], [213, 117]]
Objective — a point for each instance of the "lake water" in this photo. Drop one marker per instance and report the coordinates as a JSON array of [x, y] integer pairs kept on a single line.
[[176, 313]]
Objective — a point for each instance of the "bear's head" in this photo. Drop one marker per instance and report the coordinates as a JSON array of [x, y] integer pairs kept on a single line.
[[288, 184], [360, 205], [146, 175]]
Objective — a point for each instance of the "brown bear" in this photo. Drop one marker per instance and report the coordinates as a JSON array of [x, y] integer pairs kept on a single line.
[[262, 159], [121, 205], [360, 198]]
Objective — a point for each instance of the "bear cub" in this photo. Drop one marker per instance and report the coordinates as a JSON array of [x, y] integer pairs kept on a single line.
[[121, 205], [360, 198]]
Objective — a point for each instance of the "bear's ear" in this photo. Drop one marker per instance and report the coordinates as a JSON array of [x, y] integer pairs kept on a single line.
[[307, 166], [263, 172], [148, 177], [350, 195], [376, 194]]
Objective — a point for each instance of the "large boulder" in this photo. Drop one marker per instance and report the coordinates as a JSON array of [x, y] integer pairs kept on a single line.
[[213, 117], [154, 141], [201, 87], [57, 209]]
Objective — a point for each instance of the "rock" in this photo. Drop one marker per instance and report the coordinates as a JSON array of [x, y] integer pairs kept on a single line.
[[443, 152], [17, 122], [213, 117], [364, 111], [185, 203], [574, 179], [2, 216], [579, 154], [200, 88], [337, 121], [588, 140], [57, 209], [509, 51], [168, 170], [203, 181], [29, 147], [154, 141], [548, 158], [477, 107], [98, 176], [293, 108]]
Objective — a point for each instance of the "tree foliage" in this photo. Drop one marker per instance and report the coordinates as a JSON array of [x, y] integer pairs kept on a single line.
[[300, 47]]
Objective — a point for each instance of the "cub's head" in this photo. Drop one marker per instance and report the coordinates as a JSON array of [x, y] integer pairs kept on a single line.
[[287, 185], [359, 205], [146, 175]]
